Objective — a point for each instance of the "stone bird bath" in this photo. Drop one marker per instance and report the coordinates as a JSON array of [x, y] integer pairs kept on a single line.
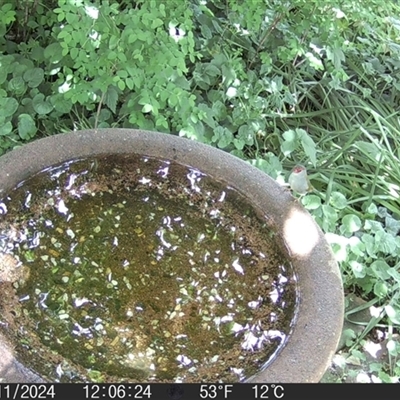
[[318, 322]]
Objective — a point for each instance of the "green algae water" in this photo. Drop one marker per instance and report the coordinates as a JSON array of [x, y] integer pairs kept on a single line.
[[128, 268]]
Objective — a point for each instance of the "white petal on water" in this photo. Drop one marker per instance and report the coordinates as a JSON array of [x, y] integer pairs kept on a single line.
[[253, 304], [226, 318], [70, 233], [144, 180], [59, 371], [236, 327], [3, 208], [80, 301], [274, 295], [184, 360], [79, 330], [62, 208], [237, 266], [28, 200], [71, 181]]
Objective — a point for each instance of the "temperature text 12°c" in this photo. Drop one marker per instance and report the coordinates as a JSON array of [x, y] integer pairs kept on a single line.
[[268, 391]]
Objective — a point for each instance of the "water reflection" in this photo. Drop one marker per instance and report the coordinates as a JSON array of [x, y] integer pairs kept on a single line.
[[151, 272]]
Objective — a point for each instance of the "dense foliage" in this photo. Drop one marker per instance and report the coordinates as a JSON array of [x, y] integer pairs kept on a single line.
[[274, 82]]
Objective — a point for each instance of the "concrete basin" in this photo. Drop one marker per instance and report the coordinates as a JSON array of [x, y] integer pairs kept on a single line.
[[318, 325]]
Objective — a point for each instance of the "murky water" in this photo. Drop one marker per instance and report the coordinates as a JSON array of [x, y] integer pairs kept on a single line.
[[131, 268]]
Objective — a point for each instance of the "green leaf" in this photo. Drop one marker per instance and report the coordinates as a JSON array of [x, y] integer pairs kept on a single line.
[[290, 135], [172, 100], [219, 110], [40, 105], [314, 61], [358, 269], [60, 103], [228, 74], [122, 57], [26, 127], [380, 289], [380, 269], [308, 145], [122, 73], [162, 122], [351, 222], [311, 202], [7, 14], [293, 138], [206, 31], [7, 66], [147, 108], [182, 82], [375, 226], [193, 131], [386, 242], [206, 115], [239, 144], [74, 52], [288, 147], [113, 43], [111, 98], [66, 35], [261, 164], [34, 77], [367, 148], [383, 212], [112, 55], [212, 70], [244, 137], [348, 336], [393, 314], [357, 247], [129, 82], [369, 242], [330, 213], [394, 274], [336, 55], [338, 200], [372, 209], [222, 136], [5, 129], [21, 65], [3, 74], [53, 52], [17, 85], [8, 106], [132, 38], [156, 23], [392, 225]]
